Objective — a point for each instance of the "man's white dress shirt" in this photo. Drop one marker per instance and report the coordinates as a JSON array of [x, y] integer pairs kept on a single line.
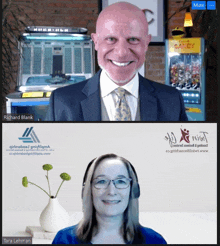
[[110, 98]]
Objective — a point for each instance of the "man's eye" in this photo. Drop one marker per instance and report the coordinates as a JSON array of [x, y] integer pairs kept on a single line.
[[133, 40], [111, 40]]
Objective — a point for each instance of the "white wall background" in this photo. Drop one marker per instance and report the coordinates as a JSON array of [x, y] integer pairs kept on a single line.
[[169, 182]]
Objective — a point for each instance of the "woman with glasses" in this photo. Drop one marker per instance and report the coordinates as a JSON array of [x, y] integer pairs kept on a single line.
[[110, 207]]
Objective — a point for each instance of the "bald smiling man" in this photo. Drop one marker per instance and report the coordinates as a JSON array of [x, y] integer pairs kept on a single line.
[[118, 92]]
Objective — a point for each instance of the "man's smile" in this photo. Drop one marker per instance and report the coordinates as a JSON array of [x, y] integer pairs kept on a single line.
[[121, 64]]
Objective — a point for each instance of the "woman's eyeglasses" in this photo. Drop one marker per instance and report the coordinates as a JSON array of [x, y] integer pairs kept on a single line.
[[119, 183]]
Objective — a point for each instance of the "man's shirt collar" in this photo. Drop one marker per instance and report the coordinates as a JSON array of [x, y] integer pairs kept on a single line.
[[107, 85]]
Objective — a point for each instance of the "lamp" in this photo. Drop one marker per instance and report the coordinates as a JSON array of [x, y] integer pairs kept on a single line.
[[188, 18], [188, 23]]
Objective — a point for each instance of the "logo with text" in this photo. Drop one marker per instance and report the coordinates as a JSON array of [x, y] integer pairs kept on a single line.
[[185, 141], [30, 145], [29, 136]]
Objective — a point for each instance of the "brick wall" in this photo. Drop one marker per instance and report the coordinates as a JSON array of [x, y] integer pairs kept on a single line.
[[60, 12], [155, 64], [155, 57]]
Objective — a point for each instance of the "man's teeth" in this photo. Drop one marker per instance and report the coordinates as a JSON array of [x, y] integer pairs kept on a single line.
[[120, 64]]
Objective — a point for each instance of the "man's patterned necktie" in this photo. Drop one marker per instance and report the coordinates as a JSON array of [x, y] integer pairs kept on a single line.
[[123, 112]]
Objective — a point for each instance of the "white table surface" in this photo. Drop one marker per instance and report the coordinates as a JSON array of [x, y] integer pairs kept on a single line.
[[176, 228]]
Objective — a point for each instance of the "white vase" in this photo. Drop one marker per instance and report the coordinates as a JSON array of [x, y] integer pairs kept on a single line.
[[54, 217]]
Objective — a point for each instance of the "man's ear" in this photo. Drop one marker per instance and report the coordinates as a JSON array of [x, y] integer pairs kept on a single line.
[[94, 39]]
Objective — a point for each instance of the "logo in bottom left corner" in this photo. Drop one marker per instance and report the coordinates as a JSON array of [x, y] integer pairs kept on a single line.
[[29, 136]]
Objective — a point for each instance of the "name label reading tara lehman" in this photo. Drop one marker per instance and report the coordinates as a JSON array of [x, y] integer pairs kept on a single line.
[[16, 240]]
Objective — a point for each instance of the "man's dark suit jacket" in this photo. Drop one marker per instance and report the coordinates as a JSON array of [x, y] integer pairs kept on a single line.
[[81, 102]]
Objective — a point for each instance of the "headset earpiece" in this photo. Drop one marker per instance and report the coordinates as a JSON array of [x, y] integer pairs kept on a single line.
[[135, 187], [136, 191]]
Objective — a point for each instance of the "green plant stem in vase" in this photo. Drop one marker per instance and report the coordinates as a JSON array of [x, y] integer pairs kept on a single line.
[[47, 167], [39, 187], [59, 188], [47, 177], [64, 176]]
